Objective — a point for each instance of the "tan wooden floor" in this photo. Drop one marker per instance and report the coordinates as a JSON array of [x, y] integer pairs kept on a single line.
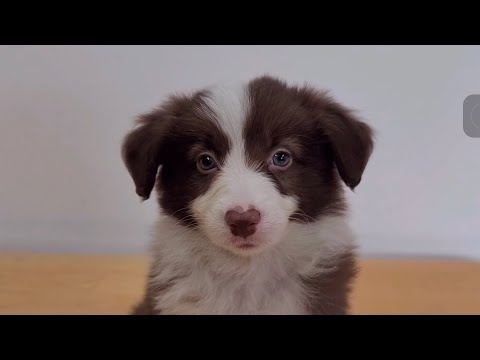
[[75, 284]]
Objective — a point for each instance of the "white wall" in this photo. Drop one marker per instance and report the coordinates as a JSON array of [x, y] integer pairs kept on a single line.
[[65, 109]]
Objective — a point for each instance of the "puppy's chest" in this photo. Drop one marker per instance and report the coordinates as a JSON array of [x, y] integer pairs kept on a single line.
[[255, 292]]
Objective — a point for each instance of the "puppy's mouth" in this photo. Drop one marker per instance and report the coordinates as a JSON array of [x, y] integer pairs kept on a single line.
[[247, 243]]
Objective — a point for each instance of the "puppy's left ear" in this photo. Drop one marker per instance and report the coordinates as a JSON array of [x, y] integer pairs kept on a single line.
[[351, 140]]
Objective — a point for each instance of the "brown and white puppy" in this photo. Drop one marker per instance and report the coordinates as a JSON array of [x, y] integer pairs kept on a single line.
[[250, 184]]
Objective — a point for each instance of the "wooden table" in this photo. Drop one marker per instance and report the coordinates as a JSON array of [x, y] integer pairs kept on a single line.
[[75, 284]]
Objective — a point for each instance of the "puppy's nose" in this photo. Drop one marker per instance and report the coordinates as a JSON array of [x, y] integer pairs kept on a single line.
[[242, 223]]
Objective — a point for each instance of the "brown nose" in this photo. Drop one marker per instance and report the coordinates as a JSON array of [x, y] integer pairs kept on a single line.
[[242, 224]]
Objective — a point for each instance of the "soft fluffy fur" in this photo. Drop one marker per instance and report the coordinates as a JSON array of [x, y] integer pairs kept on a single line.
[[301, 258]]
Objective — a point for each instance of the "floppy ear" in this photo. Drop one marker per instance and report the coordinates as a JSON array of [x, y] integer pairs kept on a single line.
[[142, 151], [351, 141]]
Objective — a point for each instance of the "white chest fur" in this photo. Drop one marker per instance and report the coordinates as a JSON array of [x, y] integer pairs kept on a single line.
[[196, 277]]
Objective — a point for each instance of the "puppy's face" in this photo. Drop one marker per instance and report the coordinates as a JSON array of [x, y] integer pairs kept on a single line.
[[241, 163]]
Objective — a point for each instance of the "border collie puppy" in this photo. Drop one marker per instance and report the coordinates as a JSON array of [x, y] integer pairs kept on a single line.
[[250, 182]]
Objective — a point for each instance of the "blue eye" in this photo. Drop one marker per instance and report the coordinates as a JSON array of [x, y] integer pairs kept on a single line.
[[281, 159], [206, 163]]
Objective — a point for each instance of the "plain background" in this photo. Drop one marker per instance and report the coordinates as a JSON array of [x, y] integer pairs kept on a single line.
[[65, 109]]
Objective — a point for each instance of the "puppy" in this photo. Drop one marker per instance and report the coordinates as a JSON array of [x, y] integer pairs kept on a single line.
[[250, 183]]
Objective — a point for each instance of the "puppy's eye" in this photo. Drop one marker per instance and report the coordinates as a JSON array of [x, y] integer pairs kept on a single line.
[[281, 159], [206, 163]]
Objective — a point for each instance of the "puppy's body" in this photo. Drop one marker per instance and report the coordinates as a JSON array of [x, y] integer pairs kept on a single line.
[[266, 150]]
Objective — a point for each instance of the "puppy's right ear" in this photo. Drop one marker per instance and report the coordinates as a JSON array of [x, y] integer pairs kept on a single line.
[[142, 151]]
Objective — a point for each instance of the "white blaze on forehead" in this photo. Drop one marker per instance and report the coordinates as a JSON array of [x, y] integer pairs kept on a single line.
[[229, 107]]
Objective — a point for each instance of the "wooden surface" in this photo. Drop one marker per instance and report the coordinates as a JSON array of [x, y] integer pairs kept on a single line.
[[56, 284]]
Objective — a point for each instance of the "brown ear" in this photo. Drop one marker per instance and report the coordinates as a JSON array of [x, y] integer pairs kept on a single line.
[[351, 140], [142, 149]]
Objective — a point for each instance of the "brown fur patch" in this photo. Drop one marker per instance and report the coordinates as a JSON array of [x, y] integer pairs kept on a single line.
[[172, 137], [328, 293], [322, 137]]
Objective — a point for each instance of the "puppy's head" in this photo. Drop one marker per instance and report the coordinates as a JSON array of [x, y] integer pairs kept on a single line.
[[241, 163]]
